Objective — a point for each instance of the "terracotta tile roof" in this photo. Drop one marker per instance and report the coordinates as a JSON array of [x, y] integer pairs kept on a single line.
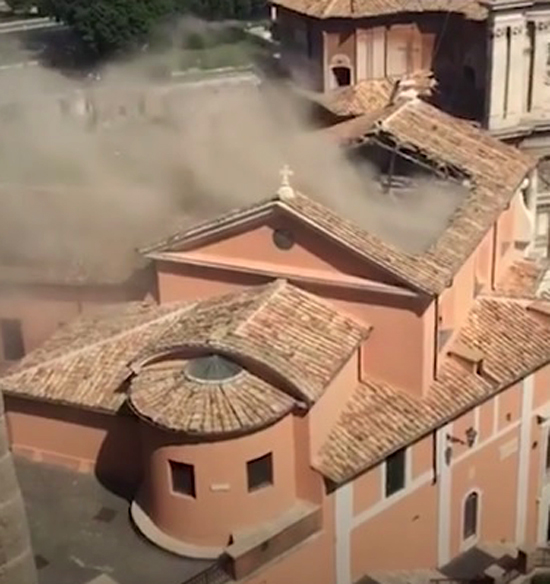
[[494, 169], [300, 337], [169, 398], [364, 97], [86, 363], [380, 419], [369, 8], [522, 279], [372, 96]]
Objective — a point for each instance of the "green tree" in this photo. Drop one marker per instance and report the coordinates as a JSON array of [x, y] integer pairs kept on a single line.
[[16, 558], [110, 25]]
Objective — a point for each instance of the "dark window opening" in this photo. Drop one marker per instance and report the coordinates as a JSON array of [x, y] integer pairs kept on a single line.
[[260, 472], [342, 75], [548, 452], [183, 478], [395, 472], [470, 516], [12, 339]]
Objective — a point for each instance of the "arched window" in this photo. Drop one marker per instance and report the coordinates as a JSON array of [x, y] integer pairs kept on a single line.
[[471, 506], [342, 75]]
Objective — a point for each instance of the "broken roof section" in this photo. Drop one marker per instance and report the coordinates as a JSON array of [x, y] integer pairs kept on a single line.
[[325, 9], [371, 96], [495, 171], [419, 130]]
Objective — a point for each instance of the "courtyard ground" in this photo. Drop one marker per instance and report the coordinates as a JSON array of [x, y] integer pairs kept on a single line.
[[80, 530]]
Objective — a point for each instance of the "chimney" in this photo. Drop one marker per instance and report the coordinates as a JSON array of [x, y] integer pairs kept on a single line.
[[470, 358]]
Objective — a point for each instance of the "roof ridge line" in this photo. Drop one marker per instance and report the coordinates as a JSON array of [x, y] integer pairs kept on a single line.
[[271, 289], [97, 343]]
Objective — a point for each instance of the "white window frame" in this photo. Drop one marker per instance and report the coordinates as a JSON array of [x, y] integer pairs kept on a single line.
[[466, 544]]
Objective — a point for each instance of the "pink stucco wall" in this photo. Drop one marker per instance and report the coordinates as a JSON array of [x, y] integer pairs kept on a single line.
[[84, 441], [326, 411], [401, 325], [42, 309], [223, 504]]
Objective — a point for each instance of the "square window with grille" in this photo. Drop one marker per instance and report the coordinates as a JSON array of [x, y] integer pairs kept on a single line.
[[260, 472], [183, 478], [395, 472]]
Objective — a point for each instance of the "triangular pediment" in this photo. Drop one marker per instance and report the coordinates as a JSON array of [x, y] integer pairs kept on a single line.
[[273, 240]]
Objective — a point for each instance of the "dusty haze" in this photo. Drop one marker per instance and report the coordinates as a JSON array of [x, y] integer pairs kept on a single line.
[[159, 157]]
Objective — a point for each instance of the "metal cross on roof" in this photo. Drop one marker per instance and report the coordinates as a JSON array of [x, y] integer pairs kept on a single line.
[[285, 173]]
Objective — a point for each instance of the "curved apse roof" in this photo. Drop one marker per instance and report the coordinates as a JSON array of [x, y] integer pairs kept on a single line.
[[208, 395]]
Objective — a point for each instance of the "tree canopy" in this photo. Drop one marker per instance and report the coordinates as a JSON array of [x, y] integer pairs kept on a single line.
[[108, 25]]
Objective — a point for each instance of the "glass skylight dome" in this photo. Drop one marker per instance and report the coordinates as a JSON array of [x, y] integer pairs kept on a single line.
[[212, 368]]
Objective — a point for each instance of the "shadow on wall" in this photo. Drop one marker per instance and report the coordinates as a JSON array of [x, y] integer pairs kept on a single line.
[[119, 462]]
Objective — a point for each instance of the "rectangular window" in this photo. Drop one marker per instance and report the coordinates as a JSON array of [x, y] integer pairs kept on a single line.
[[260, 472], [12, 339], [183, 478], [548, 452], [395, 472]]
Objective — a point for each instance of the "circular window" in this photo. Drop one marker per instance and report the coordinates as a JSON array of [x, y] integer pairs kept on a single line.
[[212, 368], [283, 238]]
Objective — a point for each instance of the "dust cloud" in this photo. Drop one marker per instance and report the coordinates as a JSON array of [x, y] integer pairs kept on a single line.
[[122, 161]]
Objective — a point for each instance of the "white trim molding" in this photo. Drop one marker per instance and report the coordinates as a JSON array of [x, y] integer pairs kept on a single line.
[[386, 502], [524, 456], [466, 544], [444, 496], [496, 413], [343, 507]]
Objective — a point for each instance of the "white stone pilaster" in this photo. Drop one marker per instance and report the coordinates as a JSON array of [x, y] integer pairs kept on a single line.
[[497, 73], [541, 87], [516, 87], [360, 55]]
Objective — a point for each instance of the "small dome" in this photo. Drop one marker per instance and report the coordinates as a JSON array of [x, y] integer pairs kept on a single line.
[[212, 368]]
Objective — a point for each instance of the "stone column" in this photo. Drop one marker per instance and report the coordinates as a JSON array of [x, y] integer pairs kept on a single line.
[[496, 85], [541, 87]]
